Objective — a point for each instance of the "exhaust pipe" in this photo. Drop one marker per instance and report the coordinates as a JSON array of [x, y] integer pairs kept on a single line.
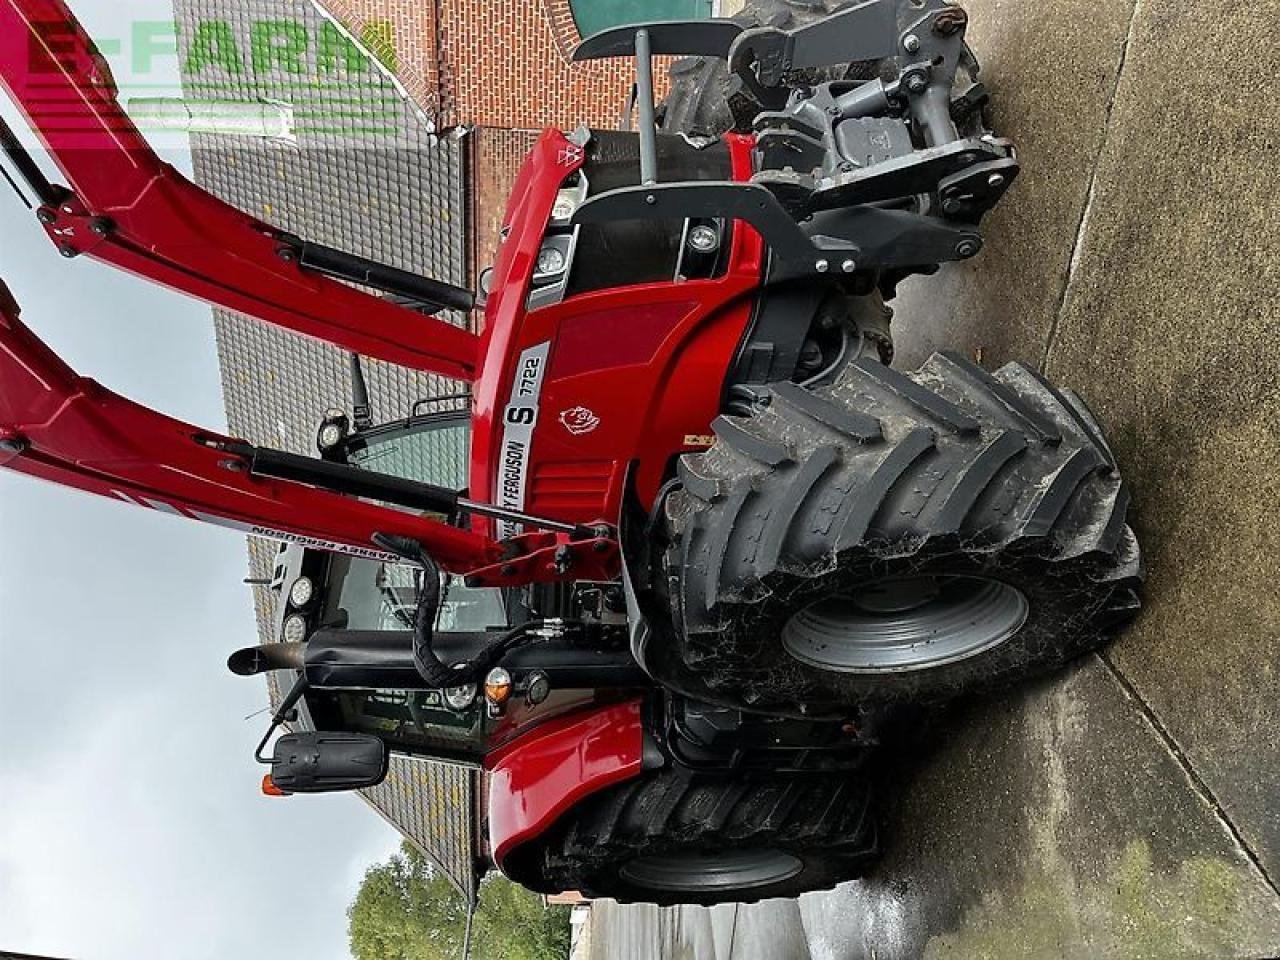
[[267, 657]]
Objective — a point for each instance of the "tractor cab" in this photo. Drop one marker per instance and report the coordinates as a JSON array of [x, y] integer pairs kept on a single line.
[[345, 626]]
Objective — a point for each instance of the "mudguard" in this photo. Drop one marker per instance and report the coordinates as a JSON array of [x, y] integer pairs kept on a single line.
[[542, 774]]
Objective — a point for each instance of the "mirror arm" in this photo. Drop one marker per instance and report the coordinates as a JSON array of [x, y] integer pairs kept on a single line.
[[290, 701]]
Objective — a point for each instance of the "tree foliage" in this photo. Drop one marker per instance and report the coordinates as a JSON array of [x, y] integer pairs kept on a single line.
[[406, 910]]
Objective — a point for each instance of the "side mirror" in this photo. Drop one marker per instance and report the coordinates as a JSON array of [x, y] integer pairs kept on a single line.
[[328, 762]]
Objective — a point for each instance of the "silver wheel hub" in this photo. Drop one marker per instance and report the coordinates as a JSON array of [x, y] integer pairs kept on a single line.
[[905, 624], [725, 870]]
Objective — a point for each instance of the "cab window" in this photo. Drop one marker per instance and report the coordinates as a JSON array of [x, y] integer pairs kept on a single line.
[[409, 721], [433, 451], [368, 595]]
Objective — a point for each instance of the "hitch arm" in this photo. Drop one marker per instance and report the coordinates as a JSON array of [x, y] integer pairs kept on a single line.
[[126, 207]]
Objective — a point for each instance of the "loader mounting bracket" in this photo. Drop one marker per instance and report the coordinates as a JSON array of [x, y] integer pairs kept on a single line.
[[858, 238]]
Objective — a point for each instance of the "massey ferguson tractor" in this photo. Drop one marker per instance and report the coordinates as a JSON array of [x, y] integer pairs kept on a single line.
[[706, 537]]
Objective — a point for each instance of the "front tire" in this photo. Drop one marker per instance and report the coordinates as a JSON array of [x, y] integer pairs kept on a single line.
[[897, 538], [678, 836]]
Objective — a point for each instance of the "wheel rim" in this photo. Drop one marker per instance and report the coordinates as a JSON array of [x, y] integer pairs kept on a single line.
[[727, 870], [905, 624]]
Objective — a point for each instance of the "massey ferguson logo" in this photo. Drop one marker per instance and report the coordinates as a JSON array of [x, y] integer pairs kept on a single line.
[[579, 420], [570, 155]]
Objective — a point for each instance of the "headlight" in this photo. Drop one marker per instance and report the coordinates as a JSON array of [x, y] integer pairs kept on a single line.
[[539, 688], [566, 205], [295, 629], [331, 434], [302, 592], [704, 239], [461, 698], [551, 261], [333, 431]]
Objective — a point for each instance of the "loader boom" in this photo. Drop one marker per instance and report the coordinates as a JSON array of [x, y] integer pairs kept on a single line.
[[58, 426], [128, 208]]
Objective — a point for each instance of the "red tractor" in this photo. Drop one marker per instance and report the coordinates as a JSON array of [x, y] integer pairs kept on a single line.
[[709, 535]]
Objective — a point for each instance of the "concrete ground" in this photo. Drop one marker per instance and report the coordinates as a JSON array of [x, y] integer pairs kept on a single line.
[[1130, 808]]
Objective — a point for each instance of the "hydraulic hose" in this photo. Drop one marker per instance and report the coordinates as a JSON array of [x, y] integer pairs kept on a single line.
[[438, 674]]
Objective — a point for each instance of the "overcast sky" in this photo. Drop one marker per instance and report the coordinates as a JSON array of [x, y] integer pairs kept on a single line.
[[131, 823]]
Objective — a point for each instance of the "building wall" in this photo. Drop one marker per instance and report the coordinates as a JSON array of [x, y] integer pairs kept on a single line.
[[403, 34], [505, 64], [494, 63], [497, 158]]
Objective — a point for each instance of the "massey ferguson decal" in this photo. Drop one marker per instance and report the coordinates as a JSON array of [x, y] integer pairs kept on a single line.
[[269, 533], [518, 422], [579, 420]]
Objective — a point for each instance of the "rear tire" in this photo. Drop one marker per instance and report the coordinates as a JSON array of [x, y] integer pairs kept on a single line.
[[675, 836], [897, 538]]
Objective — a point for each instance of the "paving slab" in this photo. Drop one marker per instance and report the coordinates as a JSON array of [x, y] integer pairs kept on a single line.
[[1053, 822], [1051, 70], [771, 930], [1172, 319], [724, 927], [646, 932]]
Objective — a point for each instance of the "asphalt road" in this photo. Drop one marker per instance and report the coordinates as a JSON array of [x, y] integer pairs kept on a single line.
[[1131, 807]]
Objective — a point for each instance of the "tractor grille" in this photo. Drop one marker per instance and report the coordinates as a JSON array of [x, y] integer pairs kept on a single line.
[[571, 489]]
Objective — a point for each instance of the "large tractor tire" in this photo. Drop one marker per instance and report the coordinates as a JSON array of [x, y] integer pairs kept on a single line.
[[675, 836], [898, 538], [699, 100]]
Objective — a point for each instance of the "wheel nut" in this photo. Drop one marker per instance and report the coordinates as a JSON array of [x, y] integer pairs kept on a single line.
[[849, 266], [966, 248], [911, 43], [821, 266], [46, 216]]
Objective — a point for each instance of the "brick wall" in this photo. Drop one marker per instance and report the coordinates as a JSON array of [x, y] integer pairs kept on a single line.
[[496, 160], [505, 65], [495, 63], [403, 35]]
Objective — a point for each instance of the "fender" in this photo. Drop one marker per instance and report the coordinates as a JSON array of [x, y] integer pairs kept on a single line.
[[542, 774]]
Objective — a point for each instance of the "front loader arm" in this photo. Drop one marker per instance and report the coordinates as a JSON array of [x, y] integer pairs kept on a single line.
[[58, 426], [128, 208]]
